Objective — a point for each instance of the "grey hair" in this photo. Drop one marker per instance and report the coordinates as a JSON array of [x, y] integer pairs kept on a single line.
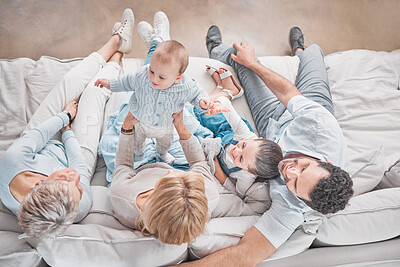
[[47, 210]]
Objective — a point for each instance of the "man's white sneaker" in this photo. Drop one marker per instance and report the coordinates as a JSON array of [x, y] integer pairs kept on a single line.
[[161, 27], [125, 31], [146, 32]]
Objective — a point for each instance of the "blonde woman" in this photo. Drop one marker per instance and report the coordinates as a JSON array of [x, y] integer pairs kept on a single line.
[[171, 204]]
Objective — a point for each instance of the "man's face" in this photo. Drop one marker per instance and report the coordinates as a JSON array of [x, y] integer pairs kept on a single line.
[[70, 177], [301, 175]]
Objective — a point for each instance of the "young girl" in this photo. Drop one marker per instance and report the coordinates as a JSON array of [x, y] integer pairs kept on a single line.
[[244, 158]]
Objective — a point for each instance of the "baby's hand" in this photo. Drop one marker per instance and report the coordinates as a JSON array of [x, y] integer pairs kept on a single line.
[[102, 83], [217, 108], [206, 103]]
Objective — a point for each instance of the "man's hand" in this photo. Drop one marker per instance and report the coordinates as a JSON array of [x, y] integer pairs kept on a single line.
[[245, 54], [217, 108], [102, 83], [72, 108]]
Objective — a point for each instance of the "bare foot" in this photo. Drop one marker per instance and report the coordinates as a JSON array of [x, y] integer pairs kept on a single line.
[[228, 84]]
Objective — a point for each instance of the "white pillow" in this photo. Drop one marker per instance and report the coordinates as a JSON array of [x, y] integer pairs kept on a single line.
[[391, 177], [365, 169], [370, 217], [16, 252], [100, 240], [96, 245]]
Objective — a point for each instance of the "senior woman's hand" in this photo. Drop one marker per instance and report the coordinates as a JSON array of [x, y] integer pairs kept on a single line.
[[72, 108]]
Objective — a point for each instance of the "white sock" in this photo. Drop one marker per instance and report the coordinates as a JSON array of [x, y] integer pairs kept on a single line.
[[167, 158]]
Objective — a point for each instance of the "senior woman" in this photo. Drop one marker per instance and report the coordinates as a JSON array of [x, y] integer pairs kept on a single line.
[[47, 182], [171, 204]]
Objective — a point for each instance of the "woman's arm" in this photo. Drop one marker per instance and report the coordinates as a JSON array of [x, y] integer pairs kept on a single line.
[[76, 161], [34, 140], [219, 173], [124, 157], [190, 145]]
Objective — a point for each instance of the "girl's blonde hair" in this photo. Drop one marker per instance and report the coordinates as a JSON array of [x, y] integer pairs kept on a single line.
[[177, 211]]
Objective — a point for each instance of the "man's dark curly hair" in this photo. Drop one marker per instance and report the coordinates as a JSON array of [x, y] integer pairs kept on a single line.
[[332, 193], [266, 161]]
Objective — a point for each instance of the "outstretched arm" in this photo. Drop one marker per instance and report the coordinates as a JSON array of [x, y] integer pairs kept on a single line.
[[124, 157], [280, 86], [252, 249]]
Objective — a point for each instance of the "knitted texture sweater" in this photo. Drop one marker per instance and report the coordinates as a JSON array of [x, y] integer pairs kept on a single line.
[[155, 107]]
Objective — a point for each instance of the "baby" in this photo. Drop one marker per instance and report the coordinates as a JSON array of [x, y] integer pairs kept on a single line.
[[159, 90]]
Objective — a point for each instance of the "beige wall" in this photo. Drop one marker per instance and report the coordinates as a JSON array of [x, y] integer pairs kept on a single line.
[[74, 28]]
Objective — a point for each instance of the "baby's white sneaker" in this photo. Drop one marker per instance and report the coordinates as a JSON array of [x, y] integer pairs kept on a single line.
[[146, 32], [161, 27], [125, 31], [167, 158]]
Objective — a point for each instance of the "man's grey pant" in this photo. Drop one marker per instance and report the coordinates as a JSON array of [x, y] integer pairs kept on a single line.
[[311, 81]]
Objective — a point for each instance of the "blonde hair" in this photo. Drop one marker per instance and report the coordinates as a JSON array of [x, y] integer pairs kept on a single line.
[[47, 210], [172, 50], [177, 211]]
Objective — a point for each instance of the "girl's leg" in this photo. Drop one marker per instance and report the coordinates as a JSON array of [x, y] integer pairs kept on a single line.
[[88, 123], [71, 86]]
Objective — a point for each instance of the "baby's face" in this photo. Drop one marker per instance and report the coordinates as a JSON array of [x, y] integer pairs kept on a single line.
[[163, 75]]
